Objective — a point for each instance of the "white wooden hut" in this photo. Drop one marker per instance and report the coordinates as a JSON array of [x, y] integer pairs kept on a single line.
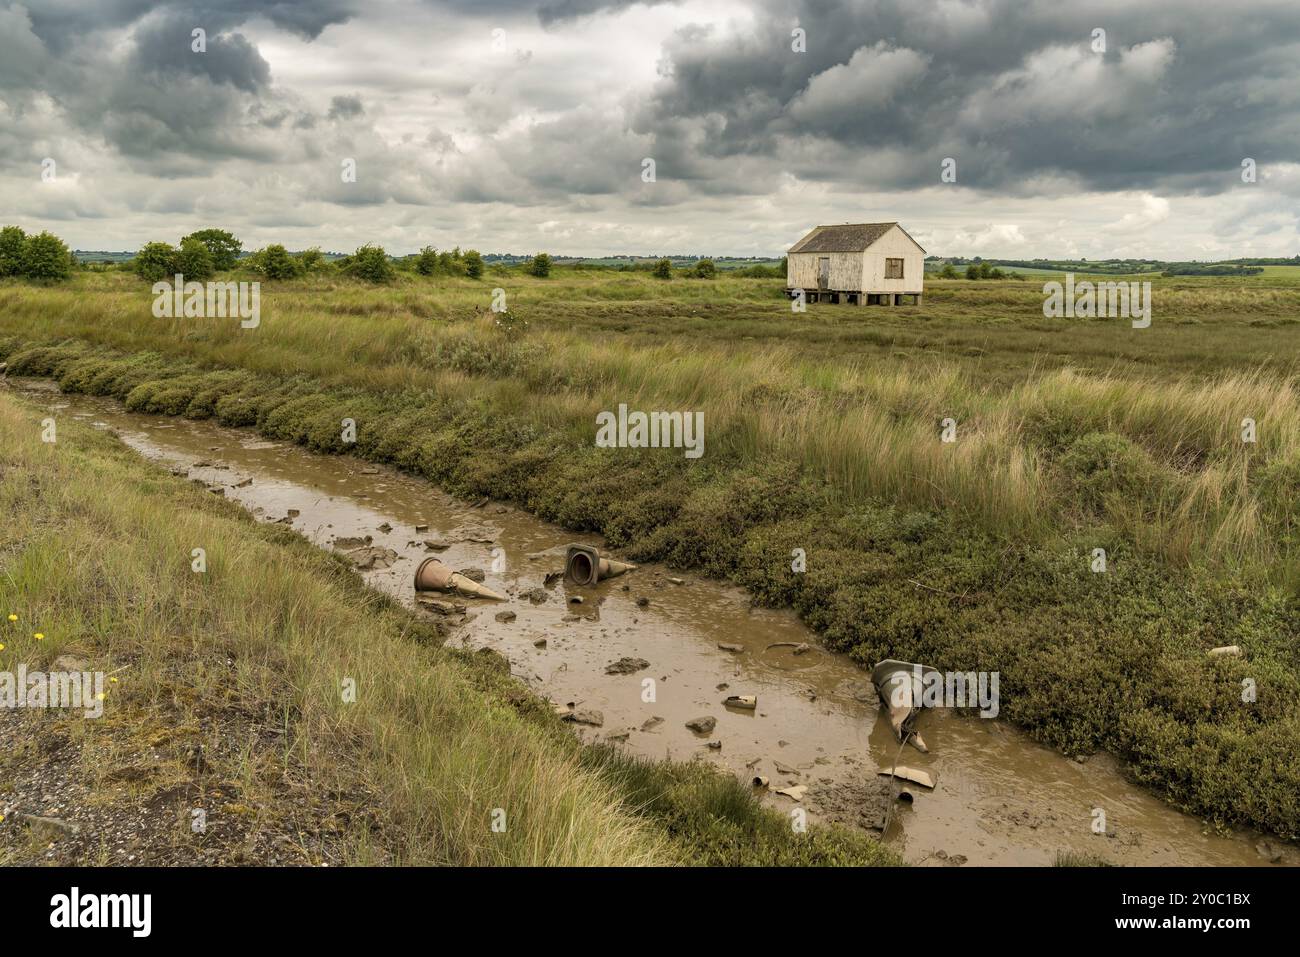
[[857, 263]]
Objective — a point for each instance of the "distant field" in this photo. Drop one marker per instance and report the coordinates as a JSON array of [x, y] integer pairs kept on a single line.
[[823, 433]]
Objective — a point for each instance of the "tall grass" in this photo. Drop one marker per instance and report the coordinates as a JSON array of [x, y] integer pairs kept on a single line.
[[868, 425]]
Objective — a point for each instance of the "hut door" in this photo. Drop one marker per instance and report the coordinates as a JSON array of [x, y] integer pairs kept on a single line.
[[824, 272]]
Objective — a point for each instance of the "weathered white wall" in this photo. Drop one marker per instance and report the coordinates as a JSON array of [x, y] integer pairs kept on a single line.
[[894, 245], [846, 271]]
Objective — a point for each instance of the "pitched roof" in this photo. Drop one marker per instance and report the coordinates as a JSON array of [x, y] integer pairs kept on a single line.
[[847, 238]]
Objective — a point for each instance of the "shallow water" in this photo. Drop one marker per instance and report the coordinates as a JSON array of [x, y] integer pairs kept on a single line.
[[999, 797]]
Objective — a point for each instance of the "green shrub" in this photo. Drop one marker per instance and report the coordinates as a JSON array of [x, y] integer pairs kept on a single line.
[[223, 246], [274, 262], [540, 266], [372, 264], [194, 260], [11, 251], [155, 261], [473, 263], [705, 269], [46, 257], [663, 269]]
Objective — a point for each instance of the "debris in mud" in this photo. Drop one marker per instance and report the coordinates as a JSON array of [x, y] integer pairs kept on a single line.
[[575, 600], [433, 575], [626, 666], [346, 544], [583, 565], [915, 775], [747, 702], [244, 484], [479, 534], [440, 606], [421, 529], [704, 725], [714, 745], [473, 574], [727, 646], [539, 643], [1231, 651], [783, 768], [642, 602], [592, 718], [506, 617], [367, 558], [677, 581], [385, 528], [292, 513], [550, 580], [898, 685], [370, 470], [760, 781], [651, 723], [536, 596], [432, 545], [795, 791]]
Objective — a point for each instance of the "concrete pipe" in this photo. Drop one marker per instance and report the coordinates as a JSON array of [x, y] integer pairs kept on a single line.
[[584, 566], [899, 685], [433, 575]]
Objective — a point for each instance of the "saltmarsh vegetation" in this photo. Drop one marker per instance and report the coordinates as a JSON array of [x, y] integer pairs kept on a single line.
[[97, 554], [824, 434]]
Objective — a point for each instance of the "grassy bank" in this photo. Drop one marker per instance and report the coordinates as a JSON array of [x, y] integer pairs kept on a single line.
[[228, 696], [823, 434]]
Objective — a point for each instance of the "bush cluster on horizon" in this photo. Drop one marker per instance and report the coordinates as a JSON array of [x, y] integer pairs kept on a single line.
[[41, 256]]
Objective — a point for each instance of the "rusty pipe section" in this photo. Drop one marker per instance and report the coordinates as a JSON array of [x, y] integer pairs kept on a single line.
[[584, 566], [433, 575]]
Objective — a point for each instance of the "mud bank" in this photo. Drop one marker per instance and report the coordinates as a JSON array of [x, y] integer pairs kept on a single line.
[[1000, 798]]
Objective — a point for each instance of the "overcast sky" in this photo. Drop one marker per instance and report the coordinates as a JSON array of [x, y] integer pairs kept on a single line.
[[514, 127]]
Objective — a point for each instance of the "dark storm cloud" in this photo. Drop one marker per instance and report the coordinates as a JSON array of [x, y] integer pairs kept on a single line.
[[346, 107], [1011, 89]]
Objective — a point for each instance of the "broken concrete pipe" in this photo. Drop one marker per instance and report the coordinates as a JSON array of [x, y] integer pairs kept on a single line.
[[433, 575], [746, 701], [584, 566], [899, 685]]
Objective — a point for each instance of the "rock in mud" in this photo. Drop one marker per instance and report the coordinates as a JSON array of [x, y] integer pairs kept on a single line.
[[536, 596], [727, 646], [368, 558], [651, 723], [433, 545], [473, 574], [440, 606], [642, 602], [626, 666], [588, 717], [539, 643], [385, 528], [704, 725], [345, 544], [506, 616]]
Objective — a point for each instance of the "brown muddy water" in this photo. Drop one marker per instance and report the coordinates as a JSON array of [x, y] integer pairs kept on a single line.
[[999, 797]]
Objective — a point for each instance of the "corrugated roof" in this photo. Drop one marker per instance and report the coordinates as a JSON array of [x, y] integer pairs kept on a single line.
[[847, 238]]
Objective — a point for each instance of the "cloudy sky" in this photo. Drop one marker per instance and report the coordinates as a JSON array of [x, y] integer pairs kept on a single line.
[[516, 127]]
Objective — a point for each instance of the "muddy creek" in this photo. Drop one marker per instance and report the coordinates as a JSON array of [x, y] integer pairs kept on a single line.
[[999, 797]]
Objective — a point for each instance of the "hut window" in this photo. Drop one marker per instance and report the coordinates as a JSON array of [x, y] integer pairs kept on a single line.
[[893, 269]]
